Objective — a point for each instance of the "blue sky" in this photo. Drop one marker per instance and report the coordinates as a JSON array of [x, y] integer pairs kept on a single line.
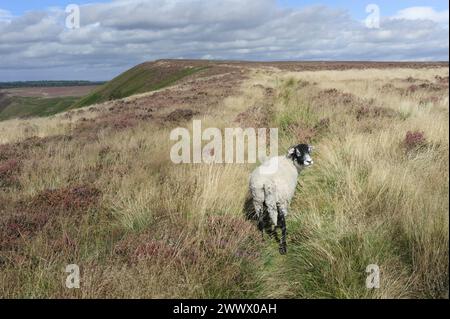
[[35, 43], [355, 7], [19, 7]]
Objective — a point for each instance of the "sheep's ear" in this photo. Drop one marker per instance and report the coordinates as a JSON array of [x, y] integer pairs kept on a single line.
[[291, 151], [310, 148]]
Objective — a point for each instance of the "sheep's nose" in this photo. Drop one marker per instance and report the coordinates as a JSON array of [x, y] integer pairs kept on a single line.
[[309, 162]]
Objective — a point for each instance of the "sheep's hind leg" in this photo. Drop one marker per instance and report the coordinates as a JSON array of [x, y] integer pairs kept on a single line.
[[282, 212], [259, 215], [273, 233], [271, 205], [265, 223], [273, 215], [261, 225]]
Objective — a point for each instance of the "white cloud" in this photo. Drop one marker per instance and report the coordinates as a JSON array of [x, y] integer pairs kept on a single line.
[[423, 13], [117, 35], [5, 16]]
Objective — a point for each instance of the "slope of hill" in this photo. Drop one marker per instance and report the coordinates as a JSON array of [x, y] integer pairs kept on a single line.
[[96, 187], [4, 101], [44, 98], [38, 101], [25, 107], [142, 78]]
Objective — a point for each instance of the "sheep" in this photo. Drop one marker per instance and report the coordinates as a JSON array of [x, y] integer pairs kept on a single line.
[[272, 189]]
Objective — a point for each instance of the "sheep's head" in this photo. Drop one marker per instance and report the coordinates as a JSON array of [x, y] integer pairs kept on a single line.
[[301, 155]]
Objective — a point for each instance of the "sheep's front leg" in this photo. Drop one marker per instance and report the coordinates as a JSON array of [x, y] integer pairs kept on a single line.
[[282, 212], [283, 245]]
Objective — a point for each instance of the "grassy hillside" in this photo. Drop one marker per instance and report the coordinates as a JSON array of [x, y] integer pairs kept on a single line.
[[96, 187], [4, 101], [142, 78], [20, 107]]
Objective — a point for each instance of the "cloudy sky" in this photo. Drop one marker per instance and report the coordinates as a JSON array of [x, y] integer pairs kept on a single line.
[[40, 41]]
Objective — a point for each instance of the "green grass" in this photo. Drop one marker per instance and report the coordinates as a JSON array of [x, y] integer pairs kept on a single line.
[[140, 79], [22, 107]]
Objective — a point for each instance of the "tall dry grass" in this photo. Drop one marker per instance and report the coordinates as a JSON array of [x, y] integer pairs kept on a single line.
[[368, 199], [161, 230]]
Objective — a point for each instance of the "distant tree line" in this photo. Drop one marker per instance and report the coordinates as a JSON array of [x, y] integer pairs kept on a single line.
[[19, 84]]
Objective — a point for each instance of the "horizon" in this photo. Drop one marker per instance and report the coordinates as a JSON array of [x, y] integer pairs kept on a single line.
[[41, 42], [232, 61]]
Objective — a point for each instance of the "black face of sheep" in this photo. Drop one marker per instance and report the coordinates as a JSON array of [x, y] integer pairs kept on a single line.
[[301, 155]]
